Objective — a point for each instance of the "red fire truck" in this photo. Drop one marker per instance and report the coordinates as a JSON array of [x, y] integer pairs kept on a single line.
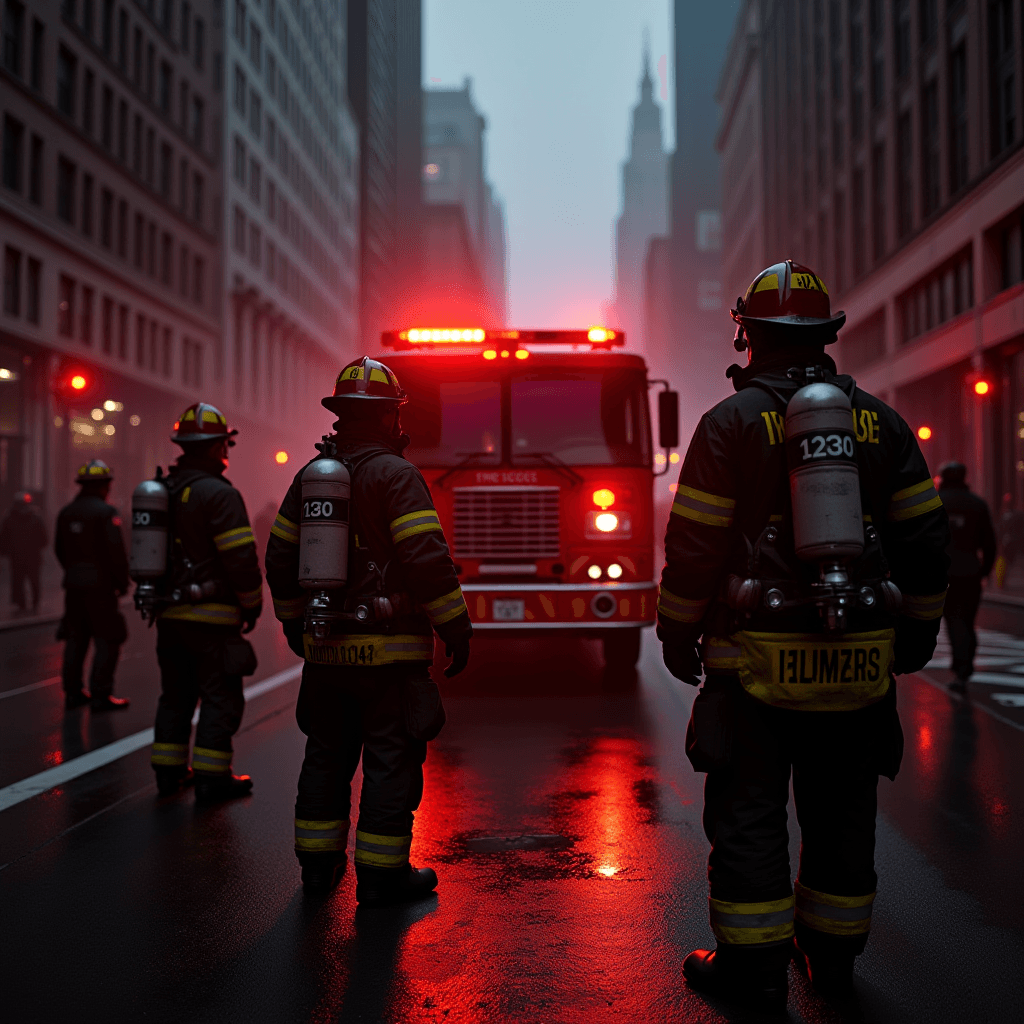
[[537, 448]]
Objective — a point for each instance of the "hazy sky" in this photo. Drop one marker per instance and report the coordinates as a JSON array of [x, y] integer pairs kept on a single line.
[[556, 80]]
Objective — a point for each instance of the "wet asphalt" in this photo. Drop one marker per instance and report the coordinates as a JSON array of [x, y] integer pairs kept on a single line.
[[562, 818]]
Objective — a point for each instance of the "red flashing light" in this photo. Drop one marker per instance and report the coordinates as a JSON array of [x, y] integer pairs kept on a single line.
[[982, 387], [281, 458], [420, 337], [924, 433], [443, 335], [78, 382]]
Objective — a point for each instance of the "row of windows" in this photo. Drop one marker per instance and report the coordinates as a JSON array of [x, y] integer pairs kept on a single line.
[[153, 347], [247, 240], [13, 297], [939, 296]]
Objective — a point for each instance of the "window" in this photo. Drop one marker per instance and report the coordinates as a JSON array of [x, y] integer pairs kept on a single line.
[[85, 324], [140, 340], [150, 155], [122, 332], [167, 353], [14, 32], [122, 228], [69, 9], [122, 132], [152, 344], [186, 26], [271, 200], [38, 40], [67, 72], [928, 21], [859, 215], [1002, 78], [240, 89], [271, 138], [107, 328], [122, 40], [238, 233], [107, 27], [66, 307], [14, 142], [150, 67], [164, 89], [166, 7], [901, 37], [943, 293], [87, 187], [88, 92], [138, 58], [196, 130], [240, 21], [255, 245], [151, 250], [183, 185], [197, 198], [255, 181], [878, 206], [255, 113], [930, 148], [106, 218], [140, 240], [256, 47], [107, 118], [33, 296], [238, 161], [876, 28], [904, 176], [839, 242], [183, 272], [67, 172], [271, 260], [200, 43], [12, 281], [271, 74], [958, 118], [198, 280], [137, 145], [166, 258], [183, 105], [166, 169], [35, 171]]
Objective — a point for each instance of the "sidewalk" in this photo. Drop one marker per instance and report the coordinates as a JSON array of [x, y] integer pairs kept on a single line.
[[51, 596]]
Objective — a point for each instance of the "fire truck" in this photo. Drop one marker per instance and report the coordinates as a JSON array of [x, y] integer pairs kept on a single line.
[[538, 451]]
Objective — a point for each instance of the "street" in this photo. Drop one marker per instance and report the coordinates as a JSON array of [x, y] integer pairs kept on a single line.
[[563, 820]]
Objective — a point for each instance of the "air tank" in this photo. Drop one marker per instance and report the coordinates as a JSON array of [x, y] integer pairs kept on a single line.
[[148, 560], [824, 482], [323, 525]]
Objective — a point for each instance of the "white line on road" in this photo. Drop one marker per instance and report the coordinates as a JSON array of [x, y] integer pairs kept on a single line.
[[77, 766], [31, 686]]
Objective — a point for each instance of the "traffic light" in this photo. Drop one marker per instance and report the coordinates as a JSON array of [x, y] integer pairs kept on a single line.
[[982, 387], [76, 382]]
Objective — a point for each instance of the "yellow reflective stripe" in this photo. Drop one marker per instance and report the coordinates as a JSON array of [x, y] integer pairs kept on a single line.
[[250, 598], [927, 606], [382, 851], [834, 915], [290, 608], [285, 529], [722, 655], [321, 836], [413, 523], [169, 754], [826, 899], [704, 507], [213, 614], [742, 924], [236, 538], [682, 609], [217, 755], [205, 759], [356, 650], [444, 609], [914, 501]]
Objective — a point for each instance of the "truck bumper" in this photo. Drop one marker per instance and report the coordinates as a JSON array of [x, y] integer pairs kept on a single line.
[[584, 608]]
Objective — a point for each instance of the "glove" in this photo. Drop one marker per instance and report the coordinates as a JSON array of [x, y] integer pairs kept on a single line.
[[915, 644], [293, 629], [249, 617], [458, 651], [683, 661]]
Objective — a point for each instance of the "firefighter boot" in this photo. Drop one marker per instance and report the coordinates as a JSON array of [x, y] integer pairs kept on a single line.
[[754, 977], [321, 872], [384, 887], [211, 788], [108, 703], [172, 778], [76, 699], [832, 976]]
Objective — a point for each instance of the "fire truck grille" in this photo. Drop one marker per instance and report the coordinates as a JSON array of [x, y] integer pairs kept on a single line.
[[506, 522]]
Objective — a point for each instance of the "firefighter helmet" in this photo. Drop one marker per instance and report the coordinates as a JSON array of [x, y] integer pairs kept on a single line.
[[365, 378], [953, 474], [792, 296], [202, 423], [93, 471]]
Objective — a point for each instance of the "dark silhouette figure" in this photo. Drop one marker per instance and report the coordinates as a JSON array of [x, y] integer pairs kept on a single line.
[[970, 524], [22, 539]]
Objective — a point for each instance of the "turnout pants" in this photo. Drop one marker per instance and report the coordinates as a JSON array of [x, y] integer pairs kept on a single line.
[[385, 716], [749, 751], [201, 664], [91, 615], [960, 611]]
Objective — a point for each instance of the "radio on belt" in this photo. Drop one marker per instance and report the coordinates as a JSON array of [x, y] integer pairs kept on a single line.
[[148, 561], [323, 540]]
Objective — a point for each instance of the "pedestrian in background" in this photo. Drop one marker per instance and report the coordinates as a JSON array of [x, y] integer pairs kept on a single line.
[[22, 539], [90, 547], [970, 524]]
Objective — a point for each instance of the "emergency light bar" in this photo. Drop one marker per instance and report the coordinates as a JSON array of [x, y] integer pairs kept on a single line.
[[416, 337]]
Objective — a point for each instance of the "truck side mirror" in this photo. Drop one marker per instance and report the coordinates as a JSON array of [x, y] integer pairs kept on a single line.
[[668, 419]]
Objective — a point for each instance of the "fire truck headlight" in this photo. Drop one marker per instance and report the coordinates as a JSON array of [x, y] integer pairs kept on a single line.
[[606, 522], [614, 571], [594, 572]]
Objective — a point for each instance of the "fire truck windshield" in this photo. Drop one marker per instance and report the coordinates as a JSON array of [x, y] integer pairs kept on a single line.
[[581, 418]]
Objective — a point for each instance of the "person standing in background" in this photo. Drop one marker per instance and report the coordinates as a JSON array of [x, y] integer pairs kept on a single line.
[[22, 539], [970, 524]]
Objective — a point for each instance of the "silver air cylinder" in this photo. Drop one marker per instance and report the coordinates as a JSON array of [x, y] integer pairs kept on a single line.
[[149, 532], [823, 479], [323, 525]]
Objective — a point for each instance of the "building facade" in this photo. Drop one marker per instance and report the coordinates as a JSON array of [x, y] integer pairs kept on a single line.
[[464, 241], [902, 179], [110, 207], [644, 210]]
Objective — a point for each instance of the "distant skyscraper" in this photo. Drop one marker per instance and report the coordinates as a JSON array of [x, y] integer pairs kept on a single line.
[[464, 241], [644, 209]]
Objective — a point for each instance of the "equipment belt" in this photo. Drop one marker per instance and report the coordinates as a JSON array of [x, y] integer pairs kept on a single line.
[[358, 650], [806, 671]]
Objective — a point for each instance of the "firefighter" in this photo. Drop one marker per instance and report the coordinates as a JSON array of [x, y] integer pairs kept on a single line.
[[90, 547], [398, 564], [214, 594], [970, 524], [22, 539], [796, 681]]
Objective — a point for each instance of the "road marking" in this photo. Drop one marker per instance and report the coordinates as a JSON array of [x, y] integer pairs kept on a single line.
[[77, 766], [31, 686]]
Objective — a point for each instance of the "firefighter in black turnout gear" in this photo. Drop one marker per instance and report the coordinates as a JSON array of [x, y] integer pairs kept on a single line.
[[90, 547], [366, 687], [213, 594], [798, 652]]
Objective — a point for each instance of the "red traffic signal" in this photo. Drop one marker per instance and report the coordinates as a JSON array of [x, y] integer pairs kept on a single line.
[[75, 383], [982, 387]]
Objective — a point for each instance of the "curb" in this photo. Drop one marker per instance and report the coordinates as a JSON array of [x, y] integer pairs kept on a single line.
[[27, 623]]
